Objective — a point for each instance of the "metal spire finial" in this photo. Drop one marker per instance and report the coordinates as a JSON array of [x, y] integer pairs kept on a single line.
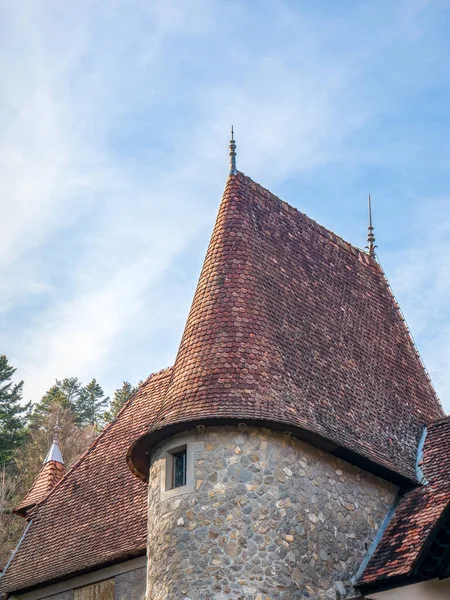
[[54, 454], [370, 236], [56, 429], [233, 170]]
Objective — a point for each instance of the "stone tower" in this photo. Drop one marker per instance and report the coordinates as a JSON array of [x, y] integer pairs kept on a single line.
[[292, 415]]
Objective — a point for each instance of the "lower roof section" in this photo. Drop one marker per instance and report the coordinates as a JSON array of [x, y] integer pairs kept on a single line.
[[416, 543], [97, 514]]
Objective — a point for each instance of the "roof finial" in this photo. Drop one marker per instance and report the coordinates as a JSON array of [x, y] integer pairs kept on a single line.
[[370, 236], [233, 170], [54, 454], [56, 429]]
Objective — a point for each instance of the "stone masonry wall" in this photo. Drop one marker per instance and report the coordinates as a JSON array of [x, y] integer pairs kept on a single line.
[[269, 518]]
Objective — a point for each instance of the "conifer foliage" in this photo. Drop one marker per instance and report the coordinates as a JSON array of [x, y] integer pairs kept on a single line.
[[26, 434], [90, 404], [87, 403], [13, 415], [121, 395]]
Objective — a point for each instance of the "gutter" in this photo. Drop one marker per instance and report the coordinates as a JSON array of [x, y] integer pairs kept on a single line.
[[15, 550], [419, 457]]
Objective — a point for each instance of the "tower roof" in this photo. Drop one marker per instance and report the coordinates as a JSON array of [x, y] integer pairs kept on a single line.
[[293, 327], [52, 471], [54, 454]]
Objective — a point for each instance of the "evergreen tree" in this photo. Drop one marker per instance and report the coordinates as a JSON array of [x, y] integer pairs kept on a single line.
[[13, 416], [73, 441], [64, 393], [121, 395], [90, 404]]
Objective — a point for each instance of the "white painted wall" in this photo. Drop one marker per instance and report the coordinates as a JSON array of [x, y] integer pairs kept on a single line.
[[436, 589]]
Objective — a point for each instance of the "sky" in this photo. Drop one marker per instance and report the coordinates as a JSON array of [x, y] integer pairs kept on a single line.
[[114, 131]]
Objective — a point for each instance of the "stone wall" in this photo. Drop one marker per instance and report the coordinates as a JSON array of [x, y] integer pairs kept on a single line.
[[269, 518]]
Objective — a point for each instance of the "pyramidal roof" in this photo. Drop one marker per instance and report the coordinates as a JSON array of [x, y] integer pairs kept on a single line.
[[292, 327], [54, 454], [52, 471]]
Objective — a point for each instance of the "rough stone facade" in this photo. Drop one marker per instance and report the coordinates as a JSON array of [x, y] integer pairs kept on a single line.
[[269, 518]]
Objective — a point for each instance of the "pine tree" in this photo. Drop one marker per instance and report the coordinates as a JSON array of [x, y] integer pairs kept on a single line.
[[121, 395], [90, 404], [13, 415], [73, 441], [64, 393]]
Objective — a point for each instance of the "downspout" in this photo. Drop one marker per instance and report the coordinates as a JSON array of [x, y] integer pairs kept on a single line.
[[419, 457]]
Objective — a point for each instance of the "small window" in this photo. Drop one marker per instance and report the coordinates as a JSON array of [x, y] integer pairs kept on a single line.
[[176, 468], [179, 469]]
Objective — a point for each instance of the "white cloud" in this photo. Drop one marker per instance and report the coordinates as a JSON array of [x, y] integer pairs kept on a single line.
[[114, 122]]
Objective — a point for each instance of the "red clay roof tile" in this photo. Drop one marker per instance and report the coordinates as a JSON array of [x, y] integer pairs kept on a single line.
[[48, 477], [97, 514], [291, 324], [417, 514]]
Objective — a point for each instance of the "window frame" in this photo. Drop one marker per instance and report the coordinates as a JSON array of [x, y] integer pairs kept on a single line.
[[164, 455], [171, 455]]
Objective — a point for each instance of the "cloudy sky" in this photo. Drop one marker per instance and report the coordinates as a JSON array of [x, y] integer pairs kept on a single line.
[[114, 125]]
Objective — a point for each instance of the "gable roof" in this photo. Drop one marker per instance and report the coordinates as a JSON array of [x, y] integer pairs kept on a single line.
[[97, 514], [403, 550], [291, 325]]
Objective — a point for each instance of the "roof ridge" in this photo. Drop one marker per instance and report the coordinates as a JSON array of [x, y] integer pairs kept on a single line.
[[94, 443], [321, 229], [367, 260], [409, 336], [439, 421]]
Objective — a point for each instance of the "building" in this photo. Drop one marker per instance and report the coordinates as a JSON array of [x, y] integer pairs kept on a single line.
[[296, 449]]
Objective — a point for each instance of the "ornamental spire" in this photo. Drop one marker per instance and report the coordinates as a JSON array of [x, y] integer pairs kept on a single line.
[[56, 429], [54, 454], [233, 170], [370, 235]]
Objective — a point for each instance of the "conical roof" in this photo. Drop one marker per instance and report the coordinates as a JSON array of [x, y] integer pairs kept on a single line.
[[294, 328], [52, 471]]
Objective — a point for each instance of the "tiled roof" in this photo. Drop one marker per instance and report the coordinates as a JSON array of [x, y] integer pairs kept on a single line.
[[97, 513], [51, 472], [419, 512], [291, 324]]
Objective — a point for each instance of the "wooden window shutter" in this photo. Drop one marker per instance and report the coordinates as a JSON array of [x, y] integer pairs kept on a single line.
[[99, 591]]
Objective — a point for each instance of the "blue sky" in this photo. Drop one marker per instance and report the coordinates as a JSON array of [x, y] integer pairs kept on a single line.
[[114, 126]]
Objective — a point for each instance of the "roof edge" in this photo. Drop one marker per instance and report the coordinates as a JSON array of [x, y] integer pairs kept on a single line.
[[373, 546], [321, 229], [410, 339], [90, 448], [109, 563], [139, 462], [413, 575]]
